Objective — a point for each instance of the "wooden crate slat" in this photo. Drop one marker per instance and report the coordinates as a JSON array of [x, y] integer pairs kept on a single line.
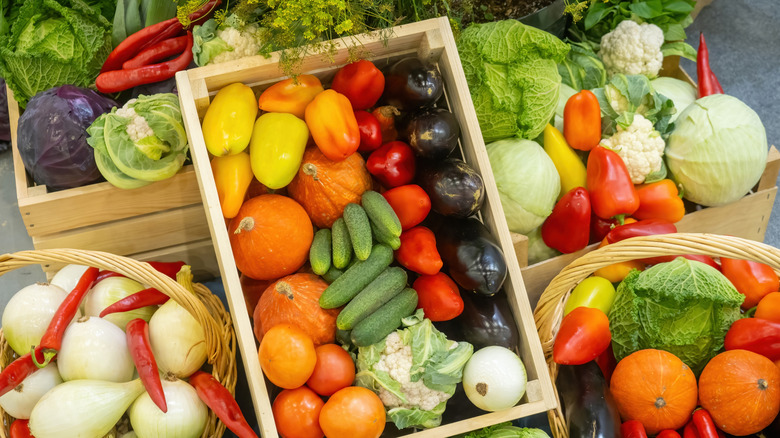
[[20, 175]]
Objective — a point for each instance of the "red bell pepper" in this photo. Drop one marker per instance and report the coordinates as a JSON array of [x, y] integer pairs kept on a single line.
[[607, 362], [582, 121], [757, 335], [393, 164], [20, 429], [609, 184], [708, 82], [567, 229], [668, 433], [599, 228], [418, 251], [752, 279], [370, 131], [219, 399], [769, 307], [137, 332], [633, 429], [660, 200], [386, 116], [410, 203], [438, 296], [584, 334], [647, 227], [361, 82]]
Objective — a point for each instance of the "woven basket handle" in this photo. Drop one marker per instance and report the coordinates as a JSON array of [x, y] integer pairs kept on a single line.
[[136, 270]]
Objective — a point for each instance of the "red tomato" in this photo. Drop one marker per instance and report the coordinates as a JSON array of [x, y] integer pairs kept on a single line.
[[361, 82], [370, 131], [752, 279], [334, 370], [353, 412], [297, 412], [410, 203], [583, 336], [438, 296]]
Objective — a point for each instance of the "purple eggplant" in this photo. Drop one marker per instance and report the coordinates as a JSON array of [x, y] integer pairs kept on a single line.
[[432, 132], [454, 187], [588, 406], [412, 84]]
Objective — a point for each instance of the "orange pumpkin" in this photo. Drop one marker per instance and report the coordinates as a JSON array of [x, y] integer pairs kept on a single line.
[[271, 236], [325, 187], [656, 388], [741, 390], [295, 300]]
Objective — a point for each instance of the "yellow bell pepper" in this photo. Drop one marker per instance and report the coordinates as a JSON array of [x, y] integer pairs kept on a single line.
[[232, 175], [616, 272], [276, 149], [570, 167], [227, 125], [290, 95]]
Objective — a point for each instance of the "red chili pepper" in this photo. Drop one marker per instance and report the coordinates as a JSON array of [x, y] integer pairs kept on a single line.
[[583, 336], [660, 200], [760, 336], [668, 433], [647, 227], [146, 297], [690, 431], [20, 429], [386, 116], [361, 82], [219, 399], [702, 258], [370, 131], [140, 347], [119, 80], [418, 251], [135, 43], [393, 164], [52, 337], [607, 362], [438, 295], [15, 373], [410, 203], [157, 52], [704, 424], [633, 429], [168, 268], [609, 184], [752, 279], [567, 229], [708, 82]]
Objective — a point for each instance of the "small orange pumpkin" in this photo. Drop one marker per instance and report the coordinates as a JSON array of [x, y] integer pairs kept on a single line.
[[741, 390], [271, 236], [656, 388], [295, 300], [325, 187]]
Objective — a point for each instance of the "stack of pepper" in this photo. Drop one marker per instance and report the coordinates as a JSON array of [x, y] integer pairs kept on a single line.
[[140, 58]]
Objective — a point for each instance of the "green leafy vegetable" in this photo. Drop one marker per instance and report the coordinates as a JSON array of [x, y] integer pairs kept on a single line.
[[626, 95], [506, 430], [582, 69], [684, 307], [53, 43], [513, 76]]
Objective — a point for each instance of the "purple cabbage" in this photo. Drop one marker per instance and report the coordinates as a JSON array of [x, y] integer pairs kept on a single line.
[[53, 136]]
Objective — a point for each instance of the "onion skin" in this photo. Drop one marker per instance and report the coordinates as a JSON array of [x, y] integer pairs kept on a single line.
[[93, 348], [28, 314], [186, 416], [19, 402], [494, 379], [178, 341]]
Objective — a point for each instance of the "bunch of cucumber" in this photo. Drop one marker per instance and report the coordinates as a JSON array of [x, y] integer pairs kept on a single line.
[[354, 256]]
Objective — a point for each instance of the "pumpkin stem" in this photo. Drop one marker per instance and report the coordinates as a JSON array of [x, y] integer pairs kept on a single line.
[[246, 224], [285, 289], [762, 385], [660, 402], [311, 170]]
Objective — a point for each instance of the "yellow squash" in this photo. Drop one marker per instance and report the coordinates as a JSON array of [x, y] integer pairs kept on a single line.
[[232, 176], [569, 165], [276, 149], [227, 125]]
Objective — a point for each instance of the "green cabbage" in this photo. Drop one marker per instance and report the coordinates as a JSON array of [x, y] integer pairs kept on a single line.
[[684, 307], [679, 92], [538, 251], [154, 157], [53, 43], [506, 430], [513, 76], [528, 183], [717, 150]]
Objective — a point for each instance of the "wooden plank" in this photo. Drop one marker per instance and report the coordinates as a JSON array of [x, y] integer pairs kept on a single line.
[[769, 177], [20, 174]]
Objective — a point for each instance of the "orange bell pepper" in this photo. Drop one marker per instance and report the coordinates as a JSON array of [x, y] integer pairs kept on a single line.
[[660, 200], [290, 95], [232, 176], [616, 272], [752, 279], [582, 121], [332, 125], [769, 307]]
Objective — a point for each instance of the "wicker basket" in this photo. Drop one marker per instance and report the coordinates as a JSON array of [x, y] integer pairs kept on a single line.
[[549, 311], [203, 305]]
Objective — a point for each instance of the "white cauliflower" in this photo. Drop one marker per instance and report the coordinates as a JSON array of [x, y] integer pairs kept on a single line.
[[138, 128], [633, 49], [396, 360], [640, 146], [242, 43]]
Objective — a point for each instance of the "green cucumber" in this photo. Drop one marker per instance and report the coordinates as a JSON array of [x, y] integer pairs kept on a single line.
[[320, 251], [332, 274], [357, 277], [342, 245], [381, 213], [359, 230], [384, 320], [343, 338], [382, 236], [386, 286]]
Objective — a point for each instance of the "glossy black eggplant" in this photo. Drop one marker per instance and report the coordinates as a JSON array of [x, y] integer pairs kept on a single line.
[[431, 132], [488, 321], [454, 187], [471, 255], [412, 84], [588, 406]]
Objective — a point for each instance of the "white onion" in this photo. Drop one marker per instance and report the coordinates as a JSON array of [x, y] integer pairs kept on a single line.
[[186, 416], [130, 434], [19, 402], [110, 290], [93, 348], [178, 341], [68, 277], [82, 408], [494, 378], [28, 314]]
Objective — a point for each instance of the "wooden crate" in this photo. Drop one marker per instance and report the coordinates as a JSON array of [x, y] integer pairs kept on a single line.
[[161, 221], [431, 40]]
